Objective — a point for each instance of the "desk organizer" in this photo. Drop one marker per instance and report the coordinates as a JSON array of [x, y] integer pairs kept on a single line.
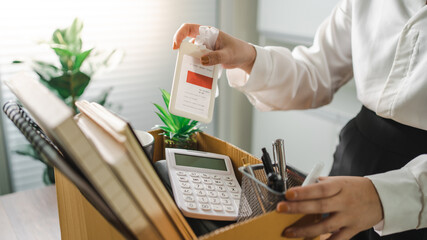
[[257, 198]]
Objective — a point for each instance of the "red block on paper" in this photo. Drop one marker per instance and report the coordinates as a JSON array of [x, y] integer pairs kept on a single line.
[[199, 80]]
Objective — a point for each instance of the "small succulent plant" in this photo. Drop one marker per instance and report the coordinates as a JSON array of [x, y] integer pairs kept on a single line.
[[179, 131]]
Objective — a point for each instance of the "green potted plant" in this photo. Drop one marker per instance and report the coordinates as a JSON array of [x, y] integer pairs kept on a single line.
[[179, 132], [70, 76]]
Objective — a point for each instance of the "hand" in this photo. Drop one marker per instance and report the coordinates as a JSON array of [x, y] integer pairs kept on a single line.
[[352, 203], [229, 51]]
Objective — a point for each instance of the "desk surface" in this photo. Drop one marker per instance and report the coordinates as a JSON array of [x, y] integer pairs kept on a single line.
[[29, 215]]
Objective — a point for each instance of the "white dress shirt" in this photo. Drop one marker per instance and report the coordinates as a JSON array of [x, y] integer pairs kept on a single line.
[[383, 45]]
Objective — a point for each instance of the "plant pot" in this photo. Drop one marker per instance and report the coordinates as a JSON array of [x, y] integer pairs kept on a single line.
[[189, 143]]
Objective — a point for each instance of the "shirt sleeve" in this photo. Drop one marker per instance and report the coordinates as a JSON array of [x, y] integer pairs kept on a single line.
[[306, 77], [403, 197]]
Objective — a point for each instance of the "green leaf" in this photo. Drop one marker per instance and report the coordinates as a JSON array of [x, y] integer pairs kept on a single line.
[[17, 61], [28, 150], [80, 59], [166, 122], [164, 112], [42, 64], [188, 127], [72, 35], [62, 85], [80, 82], [42, 77], [165, 128], [166, 97], [61, 52], [58, 36]]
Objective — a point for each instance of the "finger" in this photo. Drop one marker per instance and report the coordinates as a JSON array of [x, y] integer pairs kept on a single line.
[[343, 234], [328, 225], [214, 57], [325, 205], [186, 30], [322, 189]]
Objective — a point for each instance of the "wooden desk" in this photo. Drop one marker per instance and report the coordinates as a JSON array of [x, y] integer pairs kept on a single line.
[[29, 215]]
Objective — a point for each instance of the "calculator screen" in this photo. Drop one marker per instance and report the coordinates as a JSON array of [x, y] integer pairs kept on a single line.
[[200, 162]]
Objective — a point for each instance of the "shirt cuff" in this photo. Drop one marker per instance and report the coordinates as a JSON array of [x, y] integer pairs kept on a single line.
[[400, 198], [260, 74]]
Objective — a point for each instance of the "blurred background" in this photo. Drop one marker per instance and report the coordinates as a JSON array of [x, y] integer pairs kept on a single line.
[[142, 30]]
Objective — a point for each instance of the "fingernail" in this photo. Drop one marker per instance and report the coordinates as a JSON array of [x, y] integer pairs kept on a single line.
[[289, 233], [174, 45], [282, 207], [291, 195], [205, 60]]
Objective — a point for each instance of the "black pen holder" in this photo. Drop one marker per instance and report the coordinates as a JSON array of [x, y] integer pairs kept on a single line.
[[257, 198]]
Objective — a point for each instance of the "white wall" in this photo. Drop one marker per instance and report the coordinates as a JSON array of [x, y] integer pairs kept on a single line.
[[293, 18]]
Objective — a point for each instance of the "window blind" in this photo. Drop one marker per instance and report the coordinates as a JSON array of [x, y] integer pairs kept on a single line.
[[142, 29]]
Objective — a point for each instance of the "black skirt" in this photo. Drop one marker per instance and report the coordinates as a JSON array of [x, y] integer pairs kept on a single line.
[[370, 144]]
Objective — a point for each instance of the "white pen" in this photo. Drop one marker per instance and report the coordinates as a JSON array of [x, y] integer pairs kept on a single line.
[[314, 174]]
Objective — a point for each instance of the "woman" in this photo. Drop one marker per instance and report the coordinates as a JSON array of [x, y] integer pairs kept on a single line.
[[379, 175]]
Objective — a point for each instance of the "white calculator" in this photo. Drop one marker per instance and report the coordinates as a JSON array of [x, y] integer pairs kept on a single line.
[[203, 184]]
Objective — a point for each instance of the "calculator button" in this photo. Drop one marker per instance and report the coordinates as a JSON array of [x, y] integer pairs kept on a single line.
[[189, 198], [217, 208], [226, 201], [210, 187], [191, 205], [235, 195], [200, 193], [194, 174], [229, 208], [220, 188], [216, 177], [228, 178], [205, 207], [204, 175], [207, 181], [223, 195], [181, 173], [184, 185], [212, 194], [230, 184], [196, 180], [233, 190], [183, 179], [218, 182], [198, 186], [187, 191], [214, 200], [203, 199]]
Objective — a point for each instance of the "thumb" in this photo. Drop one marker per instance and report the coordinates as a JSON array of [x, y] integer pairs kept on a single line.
[[213, 58]]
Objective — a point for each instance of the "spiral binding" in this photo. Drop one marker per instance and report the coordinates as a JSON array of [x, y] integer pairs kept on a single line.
[[31, 130]]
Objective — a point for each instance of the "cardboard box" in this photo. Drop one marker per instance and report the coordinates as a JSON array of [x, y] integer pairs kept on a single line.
[[80, 220]]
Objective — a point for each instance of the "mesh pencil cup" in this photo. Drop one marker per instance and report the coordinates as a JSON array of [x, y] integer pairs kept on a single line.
[[257, 198]]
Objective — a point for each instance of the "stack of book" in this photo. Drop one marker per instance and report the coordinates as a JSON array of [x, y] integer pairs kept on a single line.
[[101, 155]]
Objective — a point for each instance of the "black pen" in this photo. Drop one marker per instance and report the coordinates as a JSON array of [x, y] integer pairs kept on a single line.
[[266, 161]]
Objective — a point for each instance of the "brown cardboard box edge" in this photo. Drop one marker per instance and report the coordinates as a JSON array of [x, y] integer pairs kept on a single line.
[[79, 219]]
